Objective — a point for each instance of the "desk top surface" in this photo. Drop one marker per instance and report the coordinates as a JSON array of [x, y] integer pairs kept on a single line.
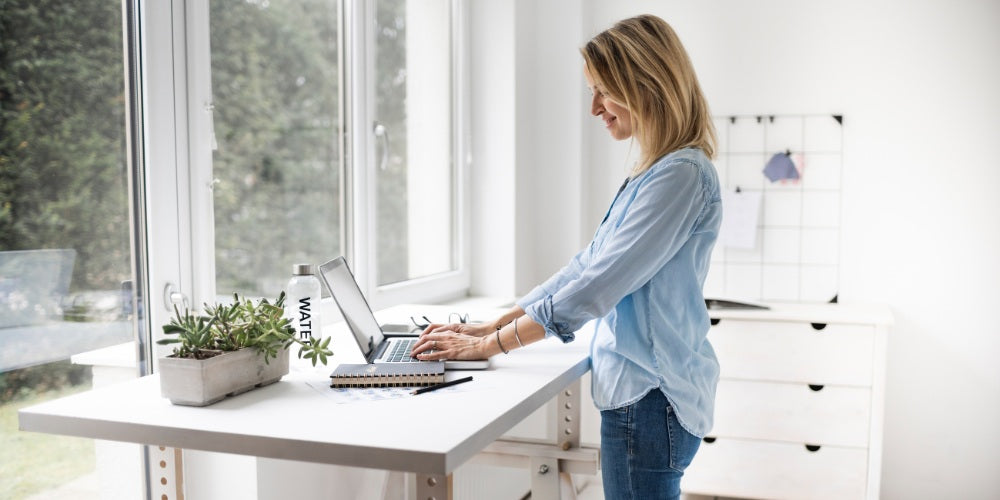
[[291, 419]]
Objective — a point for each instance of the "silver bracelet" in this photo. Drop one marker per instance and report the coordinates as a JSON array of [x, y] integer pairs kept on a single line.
[[505, 351], [516, 336]]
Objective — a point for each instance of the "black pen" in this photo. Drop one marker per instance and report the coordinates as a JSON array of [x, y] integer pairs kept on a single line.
[[441, 386]]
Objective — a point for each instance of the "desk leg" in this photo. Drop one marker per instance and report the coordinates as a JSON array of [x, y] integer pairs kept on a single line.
[[549, 464], [547, 481], [544, 478], [434, 487]]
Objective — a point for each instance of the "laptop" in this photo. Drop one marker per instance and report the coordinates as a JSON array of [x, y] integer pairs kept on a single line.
[[376, 345]]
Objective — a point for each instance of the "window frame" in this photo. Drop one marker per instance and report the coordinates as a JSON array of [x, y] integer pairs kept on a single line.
[[165, 142], [361, 163]]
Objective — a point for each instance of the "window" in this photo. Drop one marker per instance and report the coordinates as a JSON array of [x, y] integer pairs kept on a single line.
[[276, 162], [414, 139], [322, 128], [65, 256]]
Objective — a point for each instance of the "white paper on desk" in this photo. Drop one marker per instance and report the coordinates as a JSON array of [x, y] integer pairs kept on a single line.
[[342, 395], [740, 212]]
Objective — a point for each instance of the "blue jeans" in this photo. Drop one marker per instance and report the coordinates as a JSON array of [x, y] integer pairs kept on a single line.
[[644, 450]]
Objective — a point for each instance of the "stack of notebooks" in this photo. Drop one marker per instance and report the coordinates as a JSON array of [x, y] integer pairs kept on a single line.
[[388, 374]]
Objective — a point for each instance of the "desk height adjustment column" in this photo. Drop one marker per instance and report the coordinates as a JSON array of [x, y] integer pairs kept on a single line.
[[434, 487], [567, 429]]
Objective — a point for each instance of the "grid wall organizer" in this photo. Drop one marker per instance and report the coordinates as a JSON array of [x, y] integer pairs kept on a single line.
[[796, 257]]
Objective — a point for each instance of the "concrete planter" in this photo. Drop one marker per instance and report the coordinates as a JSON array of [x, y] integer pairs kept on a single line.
[[201, 382]]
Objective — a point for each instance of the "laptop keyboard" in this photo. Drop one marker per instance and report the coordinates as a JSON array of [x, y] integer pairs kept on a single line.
[[400, 352]]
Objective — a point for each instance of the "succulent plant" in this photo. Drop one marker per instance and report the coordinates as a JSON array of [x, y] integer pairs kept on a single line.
[[239, 325]]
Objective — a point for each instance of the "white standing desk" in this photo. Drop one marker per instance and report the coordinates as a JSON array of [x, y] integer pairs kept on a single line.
[[442, 430]]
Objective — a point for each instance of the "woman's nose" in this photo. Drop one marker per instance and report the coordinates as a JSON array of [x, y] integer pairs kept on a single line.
[[595, 104]]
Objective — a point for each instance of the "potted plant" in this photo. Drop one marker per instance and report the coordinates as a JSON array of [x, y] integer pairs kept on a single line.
[[230, 349]]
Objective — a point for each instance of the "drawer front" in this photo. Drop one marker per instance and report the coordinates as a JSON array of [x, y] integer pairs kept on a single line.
[[761, 469], [796, 413], [794, 352]]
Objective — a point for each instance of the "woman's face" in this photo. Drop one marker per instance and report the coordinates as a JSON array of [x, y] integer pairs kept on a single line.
[[616, 116]]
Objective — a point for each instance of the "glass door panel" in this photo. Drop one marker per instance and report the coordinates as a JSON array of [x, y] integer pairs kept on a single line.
[[65, 258]]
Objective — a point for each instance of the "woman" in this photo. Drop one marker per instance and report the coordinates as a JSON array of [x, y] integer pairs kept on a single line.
[[654, 372]]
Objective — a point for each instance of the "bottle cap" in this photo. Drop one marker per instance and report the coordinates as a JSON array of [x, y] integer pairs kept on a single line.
[[303, 269]]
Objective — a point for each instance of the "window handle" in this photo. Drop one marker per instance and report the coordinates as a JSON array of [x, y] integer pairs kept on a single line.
[[173, 297], [382, 134], [210, 109]]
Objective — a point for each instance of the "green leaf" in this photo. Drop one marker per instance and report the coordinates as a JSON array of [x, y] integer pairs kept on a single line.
[[171, 328]]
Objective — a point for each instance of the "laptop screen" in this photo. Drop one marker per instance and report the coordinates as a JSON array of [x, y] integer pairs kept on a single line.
[[352, 304]]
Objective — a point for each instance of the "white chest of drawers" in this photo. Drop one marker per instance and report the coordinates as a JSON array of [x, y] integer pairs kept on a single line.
[[799, 407]]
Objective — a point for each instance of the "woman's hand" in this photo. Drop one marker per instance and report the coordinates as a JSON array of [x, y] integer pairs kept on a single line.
[[454, 341]]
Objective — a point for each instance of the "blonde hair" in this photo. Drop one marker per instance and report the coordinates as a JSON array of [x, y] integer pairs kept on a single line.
[[641, 63]]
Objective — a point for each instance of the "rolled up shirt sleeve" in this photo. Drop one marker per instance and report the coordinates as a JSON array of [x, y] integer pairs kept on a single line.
[[659, 219]]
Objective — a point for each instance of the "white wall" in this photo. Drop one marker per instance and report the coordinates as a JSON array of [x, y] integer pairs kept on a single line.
[[526, 84], [492, 31], [549, 89], [919, 85]]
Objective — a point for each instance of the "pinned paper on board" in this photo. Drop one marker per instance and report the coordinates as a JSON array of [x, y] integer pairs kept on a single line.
[[740, 212], [781, 167]]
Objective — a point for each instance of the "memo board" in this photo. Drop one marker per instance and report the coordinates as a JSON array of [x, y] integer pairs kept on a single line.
[[796, 256]]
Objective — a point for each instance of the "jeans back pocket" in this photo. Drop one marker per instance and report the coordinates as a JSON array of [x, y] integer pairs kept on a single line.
[[683, 444]]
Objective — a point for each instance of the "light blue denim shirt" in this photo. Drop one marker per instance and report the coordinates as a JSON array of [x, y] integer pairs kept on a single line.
[[642, 278]]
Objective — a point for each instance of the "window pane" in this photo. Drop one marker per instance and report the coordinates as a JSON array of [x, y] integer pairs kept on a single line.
[[64, 233], [415, 173], [275, 81]]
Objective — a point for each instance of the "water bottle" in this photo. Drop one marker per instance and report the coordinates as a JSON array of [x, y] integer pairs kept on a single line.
[[302, 301]]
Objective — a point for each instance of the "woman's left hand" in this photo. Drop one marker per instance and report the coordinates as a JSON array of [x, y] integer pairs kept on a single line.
[[445, 344]]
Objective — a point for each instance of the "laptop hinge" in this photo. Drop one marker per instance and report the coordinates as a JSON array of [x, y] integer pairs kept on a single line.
[[377, 353]]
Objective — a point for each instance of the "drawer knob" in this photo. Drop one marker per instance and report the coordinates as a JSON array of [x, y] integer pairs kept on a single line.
[[714, 321], [813, 448], [708, 439], [816, 387], [820, 326]]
